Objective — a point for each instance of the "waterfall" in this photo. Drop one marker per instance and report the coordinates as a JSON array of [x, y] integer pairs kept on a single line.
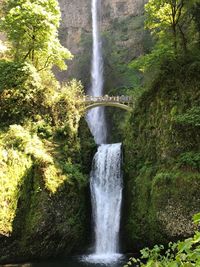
[[96, 116], [106, 191], [106, 177]]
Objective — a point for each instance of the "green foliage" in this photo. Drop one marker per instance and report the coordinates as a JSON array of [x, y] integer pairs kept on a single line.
[[183, 253], [26, 95], [117, 53], [154, 59], [20, 91], [195, 13], [14, 165], [190, 159], [21, 151], [74, 173], [163, 179], [191, 117], [46, 111], [196, 218], [69, 98], [56, 174], [32, 28], [87, 146], [22, 140], [172, 25], [170, 21], [17, 75]]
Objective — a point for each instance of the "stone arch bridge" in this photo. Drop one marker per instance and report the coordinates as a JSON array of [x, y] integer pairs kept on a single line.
[[123, 102]]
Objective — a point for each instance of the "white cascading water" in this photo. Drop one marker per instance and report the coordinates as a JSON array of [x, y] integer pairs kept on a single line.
[[106, 191], [96, 116], [106, 177]]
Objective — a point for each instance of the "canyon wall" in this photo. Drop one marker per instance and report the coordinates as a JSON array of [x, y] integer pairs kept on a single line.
[[161, 158], [122, 35]]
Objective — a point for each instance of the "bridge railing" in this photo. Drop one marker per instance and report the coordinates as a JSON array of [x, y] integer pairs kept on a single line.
[[109, 99]]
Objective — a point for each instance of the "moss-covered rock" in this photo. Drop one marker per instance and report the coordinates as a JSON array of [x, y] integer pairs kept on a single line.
[[162, 144], [45, 210], [87, 145]]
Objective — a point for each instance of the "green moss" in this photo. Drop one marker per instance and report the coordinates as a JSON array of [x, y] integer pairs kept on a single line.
[[139, 209], [53, 224], [14, 166], [190, 160], [162, 145], [45, 210], [87, 146], [190, 117]]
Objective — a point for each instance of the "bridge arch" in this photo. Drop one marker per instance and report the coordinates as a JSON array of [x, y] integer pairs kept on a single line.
[[108, 104], [122, 102]]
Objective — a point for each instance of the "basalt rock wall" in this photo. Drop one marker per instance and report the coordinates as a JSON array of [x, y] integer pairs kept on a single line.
[[122, 31]]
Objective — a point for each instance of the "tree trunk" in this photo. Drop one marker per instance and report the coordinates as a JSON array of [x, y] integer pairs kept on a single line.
[[184, 40], [175, 38]]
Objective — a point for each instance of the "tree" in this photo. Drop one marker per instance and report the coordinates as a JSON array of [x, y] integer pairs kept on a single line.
[[32, 28], [175, 26], [195, 12], [170, 20]]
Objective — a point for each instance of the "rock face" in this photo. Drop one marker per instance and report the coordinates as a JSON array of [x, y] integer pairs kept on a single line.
[[121, 26], [162, 169], [76, 18], [75, 21], [119, 9], [40, 221]]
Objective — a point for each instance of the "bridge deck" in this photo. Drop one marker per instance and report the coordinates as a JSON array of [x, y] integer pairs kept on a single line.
[[118, 99], [123, 102]]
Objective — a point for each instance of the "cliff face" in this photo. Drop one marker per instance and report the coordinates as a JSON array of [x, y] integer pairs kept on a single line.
[[75, 21], [115, 9], [121, 27], [42, 220], [162, 160], [76, 18]]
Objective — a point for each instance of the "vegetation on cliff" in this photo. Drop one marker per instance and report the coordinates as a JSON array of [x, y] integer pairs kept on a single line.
[[162, 136], [44, 174], [183, 253]]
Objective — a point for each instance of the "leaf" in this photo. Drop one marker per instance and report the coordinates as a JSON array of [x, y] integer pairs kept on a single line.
[[196, 218]]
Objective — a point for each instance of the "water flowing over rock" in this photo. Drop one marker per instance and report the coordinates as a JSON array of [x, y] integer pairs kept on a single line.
[[106, 191], [106, 178], [96, 117]]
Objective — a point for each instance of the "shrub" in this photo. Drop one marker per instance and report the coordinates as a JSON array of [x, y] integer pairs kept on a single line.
[[183, 253], [20, 91]]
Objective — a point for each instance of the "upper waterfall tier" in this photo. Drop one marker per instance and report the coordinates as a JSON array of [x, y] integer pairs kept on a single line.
[[96, 117]]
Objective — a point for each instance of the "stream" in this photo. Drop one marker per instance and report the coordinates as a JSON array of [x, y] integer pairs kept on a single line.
[[68, 262]]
